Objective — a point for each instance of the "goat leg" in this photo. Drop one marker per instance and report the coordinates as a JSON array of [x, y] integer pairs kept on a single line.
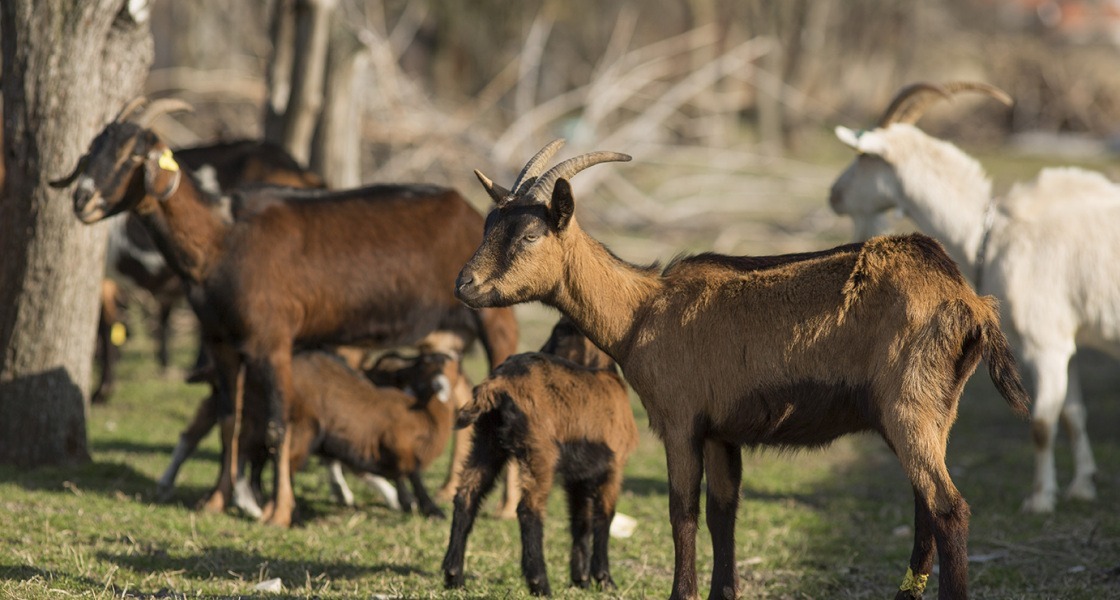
[[724, 465], [921, 558], [530, 516], [427, 506], [477, 480], [340, 491], [580, 506], [404, 495], [685, 463], [604, 502], [205, 418]]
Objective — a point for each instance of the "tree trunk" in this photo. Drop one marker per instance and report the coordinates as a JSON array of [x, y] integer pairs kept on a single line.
[[337, 149], [69, 66]]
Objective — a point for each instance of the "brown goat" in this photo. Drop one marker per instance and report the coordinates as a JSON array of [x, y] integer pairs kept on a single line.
[[562, 410], [785, 351], [371, 265], [110, 335], [133, 256], [393, 430]]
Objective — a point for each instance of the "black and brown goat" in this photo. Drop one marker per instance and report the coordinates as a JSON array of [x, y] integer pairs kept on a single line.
[[371, 265], [563, 410], [394, 429], [132, 256], [784, 351]]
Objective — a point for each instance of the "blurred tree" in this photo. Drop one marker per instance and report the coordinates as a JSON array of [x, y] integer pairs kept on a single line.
[[314, 80], [68, 67]]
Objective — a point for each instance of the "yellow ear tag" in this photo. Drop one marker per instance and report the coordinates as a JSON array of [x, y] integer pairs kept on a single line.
[[167, 162], [117, 334], [913, 583]]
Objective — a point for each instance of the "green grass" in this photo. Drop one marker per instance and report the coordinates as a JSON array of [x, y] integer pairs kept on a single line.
[[821, 524]]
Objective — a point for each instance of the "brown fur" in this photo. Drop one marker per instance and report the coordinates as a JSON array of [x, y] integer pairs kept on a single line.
[[564, 409], [383, 430], [107, 353], [235, 164], [787, 351], [371, 265]]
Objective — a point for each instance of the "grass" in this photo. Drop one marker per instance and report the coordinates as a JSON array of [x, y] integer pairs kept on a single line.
[[823, 524]]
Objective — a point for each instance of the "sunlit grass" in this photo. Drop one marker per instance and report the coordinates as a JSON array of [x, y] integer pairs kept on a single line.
[[832, 523]]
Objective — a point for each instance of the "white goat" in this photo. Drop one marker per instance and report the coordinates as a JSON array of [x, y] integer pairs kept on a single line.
[[1049, 250]]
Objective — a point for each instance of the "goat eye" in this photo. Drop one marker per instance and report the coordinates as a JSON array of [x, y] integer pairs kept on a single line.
[[530, 237]]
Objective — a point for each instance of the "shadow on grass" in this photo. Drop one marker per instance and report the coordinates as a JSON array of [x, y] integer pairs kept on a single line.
[[124, 445], [108, 478], [224, 562], [646, 486]]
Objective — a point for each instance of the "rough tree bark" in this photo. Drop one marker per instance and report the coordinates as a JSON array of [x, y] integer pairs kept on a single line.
[[69, 66], [315, 80], [336, 148], [306, 26]]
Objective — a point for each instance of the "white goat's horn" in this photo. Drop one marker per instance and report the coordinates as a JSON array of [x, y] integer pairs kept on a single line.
[[906, 99], [911, 102]]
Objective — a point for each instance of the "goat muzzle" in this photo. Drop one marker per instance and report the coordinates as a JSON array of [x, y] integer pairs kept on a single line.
[[89, 205]]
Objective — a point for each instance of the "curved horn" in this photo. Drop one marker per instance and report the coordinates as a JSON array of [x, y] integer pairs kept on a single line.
[[498, 193], [129, 108], [162, 106], [537, 163], [992, 91], [78, 169], [927, 93], [568, 168], [912, 101]]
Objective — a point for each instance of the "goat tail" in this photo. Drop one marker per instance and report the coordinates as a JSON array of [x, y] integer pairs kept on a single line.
[[486, 397], [1001, 363]]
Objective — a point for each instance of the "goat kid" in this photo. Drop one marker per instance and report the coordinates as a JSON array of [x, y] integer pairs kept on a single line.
[[272, 281], [393, 431], [563, 410], [1048, 250], [785, 351]]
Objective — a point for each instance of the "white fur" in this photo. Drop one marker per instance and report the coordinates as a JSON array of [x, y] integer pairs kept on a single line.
[[1053, 260]]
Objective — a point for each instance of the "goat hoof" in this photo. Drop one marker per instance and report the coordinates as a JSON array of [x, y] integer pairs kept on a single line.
[[908, 595], [1039, 503], [453, 579], [540, 589], [214, 504], [435, 513], [164, 492], [1082, 489], [507, 512], [605, 582]]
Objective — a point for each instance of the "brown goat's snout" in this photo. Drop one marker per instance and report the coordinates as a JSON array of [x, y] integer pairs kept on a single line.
[[89, 205], [466, 290]]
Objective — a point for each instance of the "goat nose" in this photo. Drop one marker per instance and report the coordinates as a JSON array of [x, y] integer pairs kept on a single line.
[[81, 197], [465, 279]]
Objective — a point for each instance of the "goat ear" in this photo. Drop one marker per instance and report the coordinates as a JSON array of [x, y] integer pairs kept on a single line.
[[160, 161], [864, 142], [562, 206], [849, 137]]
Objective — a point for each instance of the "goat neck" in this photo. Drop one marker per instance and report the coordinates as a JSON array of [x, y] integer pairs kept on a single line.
[[187, 229], [945, 191], [602, 293]]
